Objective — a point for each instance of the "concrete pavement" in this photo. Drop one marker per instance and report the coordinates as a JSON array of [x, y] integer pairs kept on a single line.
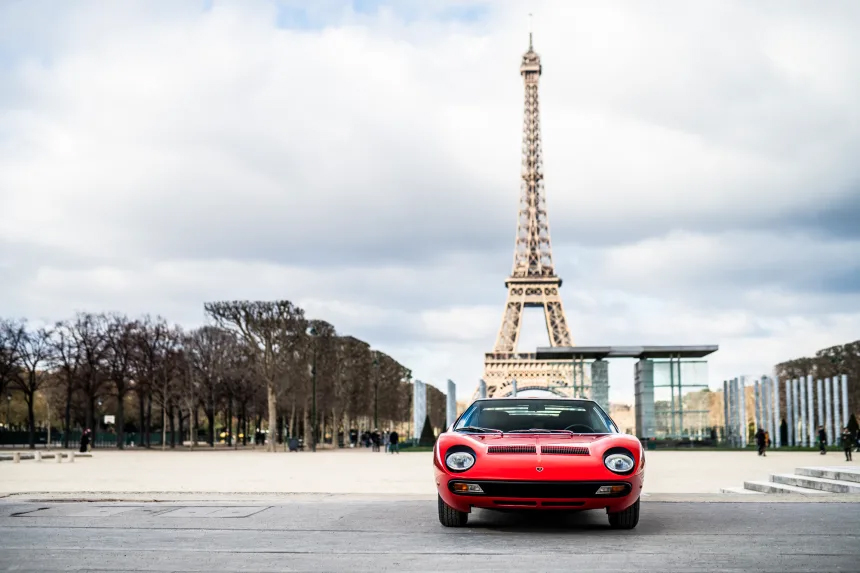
[[350, 471], [404, 535]]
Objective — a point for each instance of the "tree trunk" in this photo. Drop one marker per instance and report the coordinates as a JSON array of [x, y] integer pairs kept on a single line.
[[163, 428], [273, 415], [196, 425], [210, 417], [68, 421], [141, 410], [179, 417], [149, 419], [192, 419], [120, 420], [243, 427], [31, 419], [172, 418], [306, 426], [229, 420], [293, 419]]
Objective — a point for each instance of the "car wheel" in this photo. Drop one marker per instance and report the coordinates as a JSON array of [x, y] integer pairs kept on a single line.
[[450, 517], [626, 519]]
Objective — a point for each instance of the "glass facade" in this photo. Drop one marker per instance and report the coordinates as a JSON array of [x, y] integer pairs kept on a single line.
[[682, 400]]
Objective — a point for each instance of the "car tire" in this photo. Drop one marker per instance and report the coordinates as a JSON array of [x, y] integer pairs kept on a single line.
[[626, 519], [450, 517]]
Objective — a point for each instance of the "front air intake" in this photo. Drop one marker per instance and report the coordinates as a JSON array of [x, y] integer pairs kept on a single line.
[[564, 450], [511, 450]]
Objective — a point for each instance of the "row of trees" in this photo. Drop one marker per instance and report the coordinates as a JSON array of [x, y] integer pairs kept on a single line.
[[827, 363], [260, 365]]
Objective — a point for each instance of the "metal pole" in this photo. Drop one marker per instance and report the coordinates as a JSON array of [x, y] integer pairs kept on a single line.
[[837, 421], [725, 411], [777, 421], [796, 431], [789, 414], [845, 415], [804, 433], [810, 427], [821, 401], [757, 414], [680, 397], [828, 408], [744, 426]]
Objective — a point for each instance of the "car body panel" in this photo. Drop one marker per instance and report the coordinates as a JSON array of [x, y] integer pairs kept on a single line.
[[554, 469]]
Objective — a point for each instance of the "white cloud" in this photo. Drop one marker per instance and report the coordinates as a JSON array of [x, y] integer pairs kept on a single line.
[[154, 156]]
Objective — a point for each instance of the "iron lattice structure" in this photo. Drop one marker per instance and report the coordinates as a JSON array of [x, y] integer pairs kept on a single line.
[[533, 282]]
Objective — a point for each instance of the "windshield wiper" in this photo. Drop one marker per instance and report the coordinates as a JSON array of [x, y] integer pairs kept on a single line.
[[539, 431], [477, 429]]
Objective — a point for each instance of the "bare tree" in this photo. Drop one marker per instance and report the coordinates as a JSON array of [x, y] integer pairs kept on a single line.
[[152, 342], [35, 351], [273, 331], [11, 334], [88, 331], [120, 339], [69, 363]]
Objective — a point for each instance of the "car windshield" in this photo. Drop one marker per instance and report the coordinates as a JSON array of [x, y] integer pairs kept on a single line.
[[531, 415]]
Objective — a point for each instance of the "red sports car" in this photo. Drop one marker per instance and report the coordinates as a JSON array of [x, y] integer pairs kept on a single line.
[[538, 454]]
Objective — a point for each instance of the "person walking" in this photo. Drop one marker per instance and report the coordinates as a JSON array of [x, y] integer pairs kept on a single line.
[[85, 440], [385, 440], [822, 439], [393, 438], [761, 441], [846, 443]]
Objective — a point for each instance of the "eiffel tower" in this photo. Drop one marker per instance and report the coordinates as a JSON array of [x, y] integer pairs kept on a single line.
[[533, 282]]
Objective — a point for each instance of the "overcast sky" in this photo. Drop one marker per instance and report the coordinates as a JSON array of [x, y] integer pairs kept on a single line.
[[362, 160]]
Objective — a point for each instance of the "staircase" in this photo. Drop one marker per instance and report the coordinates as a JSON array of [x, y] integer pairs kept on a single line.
[[806, 481]]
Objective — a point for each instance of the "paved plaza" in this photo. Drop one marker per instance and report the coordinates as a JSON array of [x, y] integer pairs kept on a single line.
[[351, 472], [403, 535]]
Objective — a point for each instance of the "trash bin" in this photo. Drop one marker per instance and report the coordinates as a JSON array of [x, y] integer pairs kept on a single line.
[[652, 444], [294, 444]]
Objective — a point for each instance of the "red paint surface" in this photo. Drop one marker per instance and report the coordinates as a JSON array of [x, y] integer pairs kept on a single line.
[[522, 467]]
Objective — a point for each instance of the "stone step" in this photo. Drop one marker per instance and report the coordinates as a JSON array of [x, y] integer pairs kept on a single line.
[[45, 456], [771, 487], [739, 490], [843, 473], [821, 484]]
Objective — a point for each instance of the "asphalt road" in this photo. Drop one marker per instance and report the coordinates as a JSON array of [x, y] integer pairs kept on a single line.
[[404, 535]]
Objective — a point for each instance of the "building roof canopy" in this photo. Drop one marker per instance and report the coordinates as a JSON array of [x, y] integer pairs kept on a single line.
[[641, 352]]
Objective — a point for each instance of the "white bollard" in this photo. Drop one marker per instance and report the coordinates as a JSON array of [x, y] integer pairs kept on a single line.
[[58, 457], [71, 457], [38, 456], [16, 458]]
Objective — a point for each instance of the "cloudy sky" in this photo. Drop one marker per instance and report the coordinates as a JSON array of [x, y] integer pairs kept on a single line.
[[362, 159]]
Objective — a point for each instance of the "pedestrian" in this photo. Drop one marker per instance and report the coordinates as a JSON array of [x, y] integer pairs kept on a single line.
[[846, 443], [385, 440], [822, 439], [394, 438], [760, 440], [85, 440], [374, 438]]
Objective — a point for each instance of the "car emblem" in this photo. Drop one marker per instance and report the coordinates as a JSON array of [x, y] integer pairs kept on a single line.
[[540, 469]]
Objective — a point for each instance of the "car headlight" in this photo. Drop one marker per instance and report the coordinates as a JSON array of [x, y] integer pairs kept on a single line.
[[459, 461], [619, 463]]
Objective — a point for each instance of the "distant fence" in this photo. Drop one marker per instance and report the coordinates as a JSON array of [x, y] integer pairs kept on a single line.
[[102, 440]]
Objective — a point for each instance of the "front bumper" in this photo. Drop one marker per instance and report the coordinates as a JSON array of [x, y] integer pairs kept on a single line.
[[543, 495]]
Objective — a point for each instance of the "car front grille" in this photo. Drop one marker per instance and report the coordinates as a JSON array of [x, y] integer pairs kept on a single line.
[[512, 450], [541, 489], [564, 450]]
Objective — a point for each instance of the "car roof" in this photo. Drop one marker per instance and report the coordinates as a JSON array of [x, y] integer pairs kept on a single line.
[[560, 398]]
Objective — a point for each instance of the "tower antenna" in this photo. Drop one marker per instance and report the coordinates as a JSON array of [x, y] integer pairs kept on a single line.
[[530, 31]]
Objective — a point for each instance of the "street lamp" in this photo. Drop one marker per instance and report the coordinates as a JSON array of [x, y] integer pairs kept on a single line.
[[8, 410]]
